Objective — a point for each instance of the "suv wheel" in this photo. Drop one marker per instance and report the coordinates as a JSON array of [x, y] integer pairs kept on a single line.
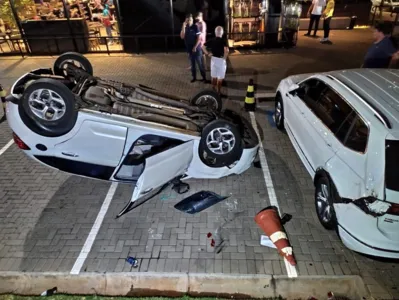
[[279, 112], [324, 200]]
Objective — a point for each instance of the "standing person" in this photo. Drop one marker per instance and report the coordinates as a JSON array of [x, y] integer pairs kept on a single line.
[[382, 54], [314, 13], [191, 36], [220, 50], [106, 18], [327, 14], [202, 29]]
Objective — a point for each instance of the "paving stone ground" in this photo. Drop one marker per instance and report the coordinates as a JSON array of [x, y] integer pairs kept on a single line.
[[46, 215]]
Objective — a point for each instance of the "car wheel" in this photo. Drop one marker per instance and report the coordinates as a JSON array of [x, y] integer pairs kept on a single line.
[[207, 99], [324, 200], [71, 58], [48, 108], [279, 112], [220, 145]]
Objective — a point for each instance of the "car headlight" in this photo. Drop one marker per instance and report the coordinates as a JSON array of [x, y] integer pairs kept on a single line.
[[373, 206]]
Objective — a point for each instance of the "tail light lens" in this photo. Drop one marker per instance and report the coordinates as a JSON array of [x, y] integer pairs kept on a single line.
[[20, 143]]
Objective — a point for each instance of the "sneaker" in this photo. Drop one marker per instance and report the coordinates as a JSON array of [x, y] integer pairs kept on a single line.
[[307, 34], [193, 80], [323, 40]]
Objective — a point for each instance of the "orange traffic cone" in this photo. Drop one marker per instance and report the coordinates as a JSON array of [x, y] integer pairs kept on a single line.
[[269, 221]]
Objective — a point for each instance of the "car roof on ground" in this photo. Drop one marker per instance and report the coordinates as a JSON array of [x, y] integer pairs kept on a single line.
[[378, 87]]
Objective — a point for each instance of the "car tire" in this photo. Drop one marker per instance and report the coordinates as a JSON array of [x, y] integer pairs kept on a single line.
[[279, 112], [207, 99], [324, 200], [220, 132], [78, 59], [56, 97]]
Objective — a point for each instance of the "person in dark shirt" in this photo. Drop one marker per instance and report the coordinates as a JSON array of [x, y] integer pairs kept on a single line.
[[382, 54], [220, 50], [191, 36]]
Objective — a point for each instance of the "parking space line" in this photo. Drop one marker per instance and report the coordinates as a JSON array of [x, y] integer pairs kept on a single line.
[[291, 270], [4, 149], [84, 253]]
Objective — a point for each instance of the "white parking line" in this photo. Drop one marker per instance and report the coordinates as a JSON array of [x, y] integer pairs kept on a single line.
[[4, 149], [94, 231], [291, 270], [265, 95]]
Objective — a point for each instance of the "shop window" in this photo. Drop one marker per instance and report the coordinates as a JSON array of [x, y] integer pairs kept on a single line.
[[10, 37]]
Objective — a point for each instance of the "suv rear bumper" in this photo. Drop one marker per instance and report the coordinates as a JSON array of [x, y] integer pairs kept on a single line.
[[356, 245]]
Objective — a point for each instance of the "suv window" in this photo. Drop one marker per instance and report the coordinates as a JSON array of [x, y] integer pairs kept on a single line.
[[310, 91], [333, 110], [358, 136]]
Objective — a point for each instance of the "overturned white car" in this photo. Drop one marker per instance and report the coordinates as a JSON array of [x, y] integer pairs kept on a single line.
[[71, 120]]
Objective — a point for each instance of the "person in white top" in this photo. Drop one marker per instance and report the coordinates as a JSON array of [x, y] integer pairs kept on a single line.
[[314, 13]]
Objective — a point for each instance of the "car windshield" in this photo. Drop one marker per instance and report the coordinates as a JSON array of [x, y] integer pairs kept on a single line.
[[392, 164]]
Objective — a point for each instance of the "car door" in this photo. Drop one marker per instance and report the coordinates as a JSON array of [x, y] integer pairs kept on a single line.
[[152, 162], [302, 121], [94, 151]]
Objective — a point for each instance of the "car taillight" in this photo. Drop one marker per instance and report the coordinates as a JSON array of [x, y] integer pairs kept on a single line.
[[20, 143], [394, 209]]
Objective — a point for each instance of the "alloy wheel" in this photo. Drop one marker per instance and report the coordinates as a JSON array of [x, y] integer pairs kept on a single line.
[[47, 104], [220, 141], [323, 205]]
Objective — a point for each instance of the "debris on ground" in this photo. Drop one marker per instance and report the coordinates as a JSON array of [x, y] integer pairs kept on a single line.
[[199, 202], [49, 292], [265, 241], [133, 261]]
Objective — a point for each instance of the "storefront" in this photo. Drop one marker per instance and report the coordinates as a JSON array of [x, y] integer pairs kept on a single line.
[[56, 26]]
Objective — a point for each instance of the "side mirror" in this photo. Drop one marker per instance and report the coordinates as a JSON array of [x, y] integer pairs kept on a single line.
[[293, 89]]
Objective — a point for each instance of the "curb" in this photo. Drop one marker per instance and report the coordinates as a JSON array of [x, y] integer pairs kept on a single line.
[[179, 284]]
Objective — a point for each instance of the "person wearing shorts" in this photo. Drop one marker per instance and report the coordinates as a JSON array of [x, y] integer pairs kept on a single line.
[[219, 52]]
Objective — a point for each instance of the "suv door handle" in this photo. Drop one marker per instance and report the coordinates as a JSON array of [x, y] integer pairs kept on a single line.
[[71, 154], [329, 144]]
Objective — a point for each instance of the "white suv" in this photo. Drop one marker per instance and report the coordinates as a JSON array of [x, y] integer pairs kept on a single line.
[[344, 126]]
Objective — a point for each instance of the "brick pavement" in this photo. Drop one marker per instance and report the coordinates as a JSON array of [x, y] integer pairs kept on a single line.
[[48, 230]]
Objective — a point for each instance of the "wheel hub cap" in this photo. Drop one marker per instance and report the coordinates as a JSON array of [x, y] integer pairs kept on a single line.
[[220, 141], [323, 203], [47, 104], [278, 112], [208, 101]]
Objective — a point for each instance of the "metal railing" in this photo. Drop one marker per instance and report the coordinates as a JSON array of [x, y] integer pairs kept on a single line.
[[136, 44]]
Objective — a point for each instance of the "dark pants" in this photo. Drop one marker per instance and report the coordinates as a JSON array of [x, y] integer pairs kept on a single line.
[[196, 59], [314, 19], [326, 27]]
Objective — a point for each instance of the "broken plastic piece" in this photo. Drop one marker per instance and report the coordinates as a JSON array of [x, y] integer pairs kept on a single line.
[[49, 292], [265, 241], [133, 261], [213, 243], [180, 187], [209, 235], [198, 202], [379, 207], [285, 219]]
